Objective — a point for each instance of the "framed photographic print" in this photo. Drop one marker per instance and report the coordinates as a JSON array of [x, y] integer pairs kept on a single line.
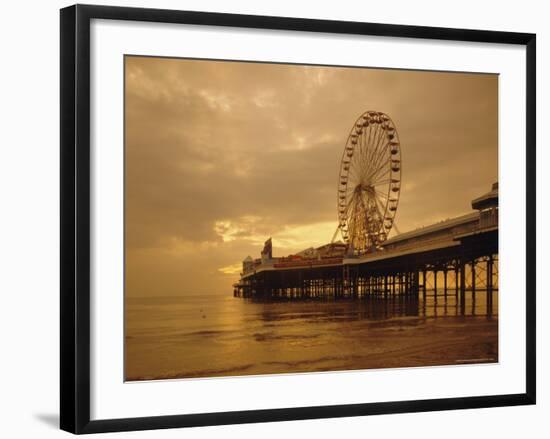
[[267, 218]]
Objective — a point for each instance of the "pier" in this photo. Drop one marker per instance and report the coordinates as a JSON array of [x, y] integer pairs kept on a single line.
[[450, 258]]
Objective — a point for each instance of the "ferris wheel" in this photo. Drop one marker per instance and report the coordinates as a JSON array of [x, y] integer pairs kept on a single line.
[[369, 182]]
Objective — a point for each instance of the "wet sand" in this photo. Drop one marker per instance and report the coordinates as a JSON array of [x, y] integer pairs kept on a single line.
[[210, 336]]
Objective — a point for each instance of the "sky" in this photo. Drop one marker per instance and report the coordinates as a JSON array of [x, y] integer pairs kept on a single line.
[[222, 155]]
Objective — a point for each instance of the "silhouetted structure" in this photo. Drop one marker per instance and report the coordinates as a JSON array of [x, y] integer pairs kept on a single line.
[[449, 257]]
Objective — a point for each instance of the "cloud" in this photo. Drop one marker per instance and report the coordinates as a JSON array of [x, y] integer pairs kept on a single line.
[[221, 155], [231, 269]]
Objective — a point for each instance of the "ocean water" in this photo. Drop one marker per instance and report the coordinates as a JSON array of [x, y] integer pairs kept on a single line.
[[220, 335]]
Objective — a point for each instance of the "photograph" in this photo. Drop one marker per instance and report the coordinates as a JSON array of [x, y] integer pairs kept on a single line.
[[293, 218]]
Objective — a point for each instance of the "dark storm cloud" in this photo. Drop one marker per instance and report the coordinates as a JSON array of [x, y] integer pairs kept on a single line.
[[220, 156]]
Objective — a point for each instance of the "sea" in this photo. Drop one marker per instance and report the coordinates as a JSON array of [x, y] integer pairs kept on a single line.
[[215, 335]]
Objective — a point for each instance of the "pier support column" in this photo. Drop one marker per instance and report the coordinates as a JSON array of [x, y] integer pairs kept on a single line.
[[435, 287], [462, 287], [424, 285], [473, 286], [456, 286], [490, 286]]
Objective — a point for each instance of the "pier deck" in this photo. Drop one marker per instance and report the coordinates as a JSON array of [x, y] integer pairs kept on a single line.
[[453, 256]]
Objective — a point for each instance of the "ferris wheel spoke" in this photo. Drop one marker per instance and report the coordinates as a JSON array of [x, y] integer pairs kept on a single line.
[[374, 175], [367, 151], [373, 132], [354, 207], [377, 157], [350, 203], [381, 148], [363, 141], [357, 167], [360, 160], [381, 182], [353, 177], [381, 199], [355, 157], [385, 210], [386, 220], [382, 174], [378, 164], [379, 204], [382, 171], [381, 138], [370, 134], [378, 141]]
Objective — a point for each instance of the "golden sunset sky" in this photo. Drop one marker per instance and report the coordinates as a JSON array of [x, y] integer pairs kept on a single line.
[[222, 155]]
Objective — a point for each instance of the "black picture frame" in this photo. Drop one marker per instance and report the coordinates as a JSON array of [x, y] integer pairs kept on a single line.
[[75, 217]]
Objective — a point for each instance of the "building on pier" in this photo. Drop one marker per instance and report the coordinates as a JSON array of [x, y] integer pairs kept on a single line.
[[450, 257]]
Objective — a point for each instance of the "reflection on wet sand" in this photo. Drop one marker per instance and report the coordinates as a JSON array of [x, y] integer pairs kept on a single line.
[[208, 336]]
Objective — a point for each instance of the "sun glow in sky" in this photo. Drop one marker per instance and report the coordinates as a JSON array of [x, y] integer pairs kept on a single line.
[[220, 156]]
